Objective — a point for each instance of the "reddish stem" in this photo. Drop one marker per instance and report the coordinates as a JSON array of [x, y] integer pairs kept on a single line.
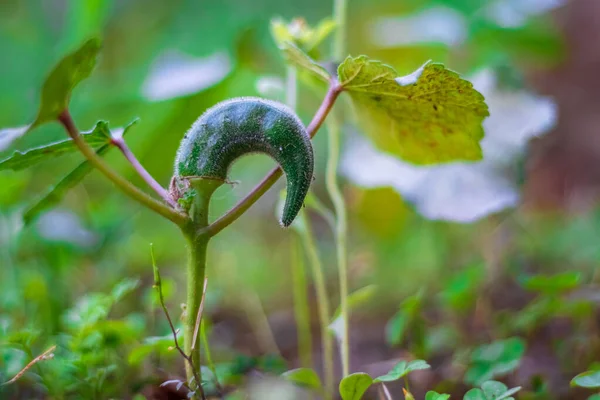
[[120, 143]]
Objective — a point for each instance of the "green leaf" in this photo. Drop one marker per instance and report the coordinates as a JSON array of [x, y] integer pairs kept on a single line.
[[398, 325], [460, 292], [354, 300], [56, 193], [65, 76], [272, 364], [554, 284], [594, 397], [358, 298], [431, 395], [495, 359], [19, 160], [151, 346], [396, 328], [491, 390], [353, 386], [588, 379], [430, 116], [402, 369], [123, 288], [474, 394], [295, 56], [305, 377]]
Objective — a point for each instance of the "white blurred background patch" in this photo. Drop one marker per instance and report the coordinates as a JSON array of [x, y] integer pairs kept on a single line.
[[440, 24], [437, 24], [459, 191], [64, 226], [9, 135], [175, 74], [515, 13]]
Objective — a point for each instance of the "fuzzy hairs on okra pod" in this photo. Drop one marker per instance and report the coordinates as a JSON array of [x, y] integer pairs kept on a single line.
[[247, 125]]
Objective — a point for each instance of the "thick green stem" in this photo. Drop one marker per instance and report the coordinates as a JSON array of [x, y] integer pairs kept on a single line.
[[308, 242], [340, 235], [195, 278], [196, 270]]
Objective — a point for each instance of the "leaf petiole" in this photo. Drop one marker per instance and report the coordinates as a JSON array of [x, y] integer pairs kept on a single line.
[[67, 121]]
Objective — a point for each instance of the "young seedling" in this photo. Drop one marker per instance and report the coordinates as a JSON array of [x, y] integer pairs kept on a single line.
[[444, 124]]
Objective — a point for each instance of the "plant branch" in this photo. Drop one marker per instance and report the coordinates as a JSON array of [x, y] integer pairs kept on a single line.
[[161, 299], [67, 121], [46, 355], [120, 143], [269, 180]]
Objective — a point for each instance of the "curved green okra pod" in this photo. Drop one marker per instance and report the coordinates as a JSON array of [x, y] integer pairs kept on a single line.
[[246, 125]]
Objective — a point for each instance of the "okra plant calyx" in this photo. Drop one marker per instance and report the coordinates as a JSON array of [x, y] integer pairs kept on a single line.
[[245, 125]]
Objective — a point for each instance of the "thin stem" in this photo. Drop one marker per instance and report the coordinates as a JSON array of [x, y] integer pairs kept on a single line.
[[243, 205], [46, 355], [260, 322], [209, 359], [385, 393], [161, 299], [308, 242], [340, 14], [339, 206], [125, 186], [301, 308], [199, 315], [139, 168], [299, 284]]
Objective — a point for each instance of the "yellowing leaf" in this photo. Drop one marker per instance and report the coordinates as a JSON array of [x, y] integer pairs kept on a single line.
[[67, 74], [430, 116]]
